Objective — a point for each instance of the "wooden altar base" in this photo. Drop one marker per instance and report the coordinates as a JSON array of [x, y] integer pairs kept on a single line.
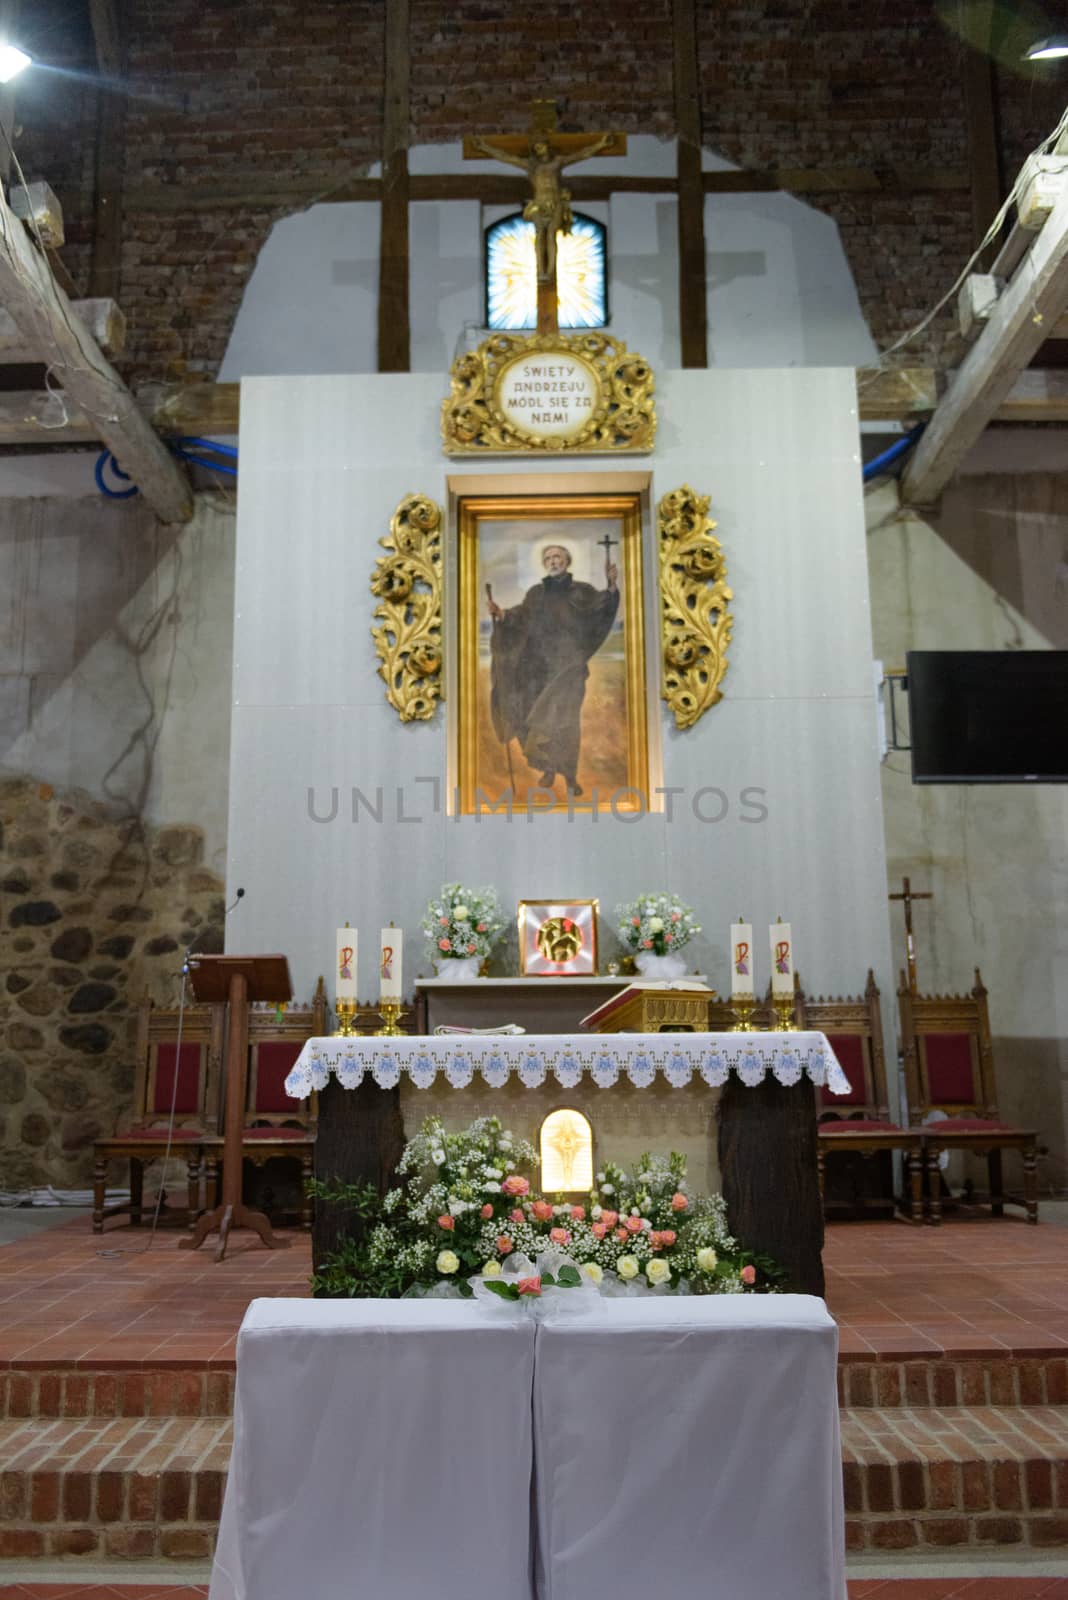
[[116, 1386]]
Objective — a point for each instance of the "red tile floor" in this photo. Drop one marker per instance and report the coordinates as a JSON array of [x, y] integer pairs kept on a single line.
[[69, 1297]]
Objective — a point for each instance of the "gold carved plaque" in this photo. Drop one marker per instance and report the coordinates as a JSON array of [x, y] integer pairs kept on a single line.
[[407, 584], [695, 622], [582, 393]]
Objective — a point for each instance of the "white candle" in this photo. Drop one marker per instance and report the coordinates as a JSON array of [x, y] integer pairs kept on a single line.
[[782, 958], [345, 964], [741, 958], [389, 965]]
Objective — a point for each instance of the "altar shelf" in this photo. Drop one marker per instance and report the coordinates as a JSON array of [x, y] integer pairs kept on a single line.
[[533, 1057]]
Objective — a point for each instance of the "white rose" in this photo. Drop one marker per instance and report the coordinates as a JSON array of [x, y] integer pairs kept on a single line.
[[448, 1261], [457, 1208], [600, 1177], [656, 925], [634, 1211], [491, 1188], [459, 912], [647, 1226], [593, 1271], [626, 1266], [658, 1270], [607, 1188], [707, 1259], [595, 1213], [492, 1172], [492, 1269], [438, 1157]]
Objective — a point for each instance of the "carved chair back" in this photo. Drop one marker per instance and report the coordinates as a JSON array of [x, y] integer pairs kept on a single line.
[[854, 1028], [949, 1062], [276, 1037], [181, 1071]]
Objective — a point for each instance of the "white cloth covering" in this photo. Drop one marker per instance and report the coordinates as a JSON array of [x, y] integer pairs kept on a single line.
[[532, 1057], [688, 1449], [382, 1451]]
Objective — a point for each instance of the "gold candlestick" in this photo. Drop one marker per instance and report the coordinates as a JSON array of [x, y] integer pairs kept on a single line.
[[346, 1019], [390, 1029], [742, 1008], [784, 1008]]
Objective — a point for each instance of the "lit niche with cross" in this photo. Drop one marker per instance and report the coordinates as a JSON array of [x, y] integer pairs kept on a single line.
[[566, 1150]]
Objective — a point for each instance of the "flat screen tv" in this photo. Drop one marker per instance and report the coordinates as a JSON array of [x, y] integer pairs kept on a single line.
[[988, 716]]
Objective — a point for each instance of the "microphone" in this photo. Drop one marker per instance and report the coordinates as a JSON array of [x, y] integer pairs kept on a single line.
[[239, 895], [189, 961]]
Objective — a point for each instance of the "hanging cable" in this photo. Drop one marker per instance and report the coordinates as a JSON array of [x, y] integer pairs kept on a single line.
[[102, 461]]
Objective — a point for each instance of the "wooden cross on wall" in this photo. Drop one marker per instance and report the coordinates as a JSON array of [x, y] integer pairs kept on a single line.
[[908, 895], [542, 153]]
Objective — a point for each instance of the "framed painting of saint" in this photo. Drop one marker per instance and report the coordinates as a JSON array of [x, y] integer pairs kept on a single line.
[[552, 693]]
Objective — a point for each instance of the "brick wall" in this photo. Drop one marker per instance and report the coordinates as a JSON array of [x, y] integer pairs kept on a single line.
[[230, 103]]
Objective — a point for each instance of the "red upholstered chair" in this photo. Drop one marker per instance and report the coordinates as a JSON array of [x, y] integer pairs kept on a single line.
[[275, 1125], [196, 1061], [949, 1066], [860, 1122]]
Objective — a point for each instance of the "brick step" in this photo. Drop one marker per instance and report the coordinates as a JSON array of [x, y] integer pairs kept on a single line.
[[992, 1380], [134, 1391], [124, 1487], [955, 1475]]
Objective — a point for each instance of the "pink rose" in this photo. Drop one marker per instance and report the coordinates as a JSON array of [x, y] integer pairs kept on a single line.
[[675, 916], [621, 1234], [447, 1222], [515, 1185], [668, 1237], [480, 927], [542, 1210], [578, 1213], [679, 1201], [487, 1212], [748, 1274], [444, 922], [559, 1236], [647, 944], [529, 1286], [656, 1241], [599, 1229], [516, 1216], [504, 1245], [609, 1218], [668, 938], [633, 1224], [443, 944], [636, 921]]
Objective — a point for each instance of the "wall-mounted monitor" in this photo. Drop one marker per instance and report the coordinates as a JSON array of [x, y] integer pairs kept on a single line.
[[988, 716]]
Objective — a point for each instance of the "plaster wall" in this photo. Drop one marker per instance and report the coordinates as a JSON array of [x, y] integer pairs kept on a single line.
[[989, 573]]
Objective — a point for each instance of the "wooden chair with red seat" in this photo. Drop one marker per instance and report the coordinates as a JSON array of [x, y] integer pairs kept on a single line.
[[275, 1125], [860, 1120], [949, 1066], [185, 1075]]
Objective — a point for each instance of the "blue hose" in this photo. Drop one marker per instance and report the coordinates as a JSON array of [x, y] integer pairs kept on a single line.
[[900, 447], [98, 473]]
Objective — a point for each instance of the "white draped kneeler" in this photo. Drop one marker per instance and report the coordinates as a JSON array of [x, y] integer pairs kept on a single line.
[[382, 1451], [688, 1449]]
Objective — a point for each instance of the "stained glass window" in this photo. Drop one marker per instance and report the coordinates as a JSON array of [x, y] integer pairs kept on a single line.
[[566, 1153], [512, 282]]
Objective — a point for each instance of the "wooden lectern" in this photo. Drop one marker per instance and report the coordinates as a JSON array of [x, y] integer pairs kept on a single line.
[[238, 980]]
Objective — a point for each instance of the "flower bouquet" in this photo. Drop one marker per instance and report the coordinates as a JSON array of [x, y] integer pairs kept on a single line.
[[461, 926], [655, 928]]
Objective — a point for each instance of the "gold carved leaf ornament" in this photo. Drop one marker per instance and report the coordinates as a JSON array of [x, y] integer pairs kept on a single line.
[[695, 619], [406, 583]]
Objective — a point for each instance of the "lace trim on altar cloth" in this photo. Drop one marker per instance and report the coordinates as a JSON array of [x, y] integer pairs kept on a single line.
[[788, 1057]]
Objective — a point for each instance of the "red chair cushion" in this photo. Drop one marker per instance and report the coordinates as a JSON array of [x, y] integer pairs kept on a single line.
[[968, 1125], [189, 1068], [276, 1133], [274, 1062], [950, 1068], [861, 1124], [849, 1049], [160, 1134]]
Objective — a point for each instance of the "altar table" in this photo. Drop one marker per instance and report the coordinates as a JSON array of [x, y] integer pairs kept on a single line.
[[682, 1447]]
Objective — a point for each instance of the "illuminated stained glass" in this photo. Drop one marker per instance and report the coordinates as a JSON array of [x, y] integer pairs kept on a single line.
[[512, 282], [566, 1153]]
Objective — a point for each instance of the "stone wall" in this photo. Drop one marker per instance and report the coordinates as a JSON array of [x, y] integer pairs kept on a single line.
[[96, 912], [237, 115]]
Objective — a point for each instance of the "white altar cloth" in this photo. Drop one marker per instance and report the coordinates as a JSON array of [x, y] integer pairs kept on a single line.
[[382, 1451], [532, 1057], [687, 1448]]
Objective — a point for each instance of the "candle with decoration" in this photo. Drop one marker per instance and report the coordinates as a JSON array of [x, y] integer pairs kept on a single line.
[[345, 964], [741, 957], [782, 959], [389, 965]]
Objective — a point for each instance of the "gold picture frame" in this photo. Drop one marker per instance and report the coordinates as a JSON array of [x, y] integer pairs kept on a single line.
[[551, 675], [558, 938]]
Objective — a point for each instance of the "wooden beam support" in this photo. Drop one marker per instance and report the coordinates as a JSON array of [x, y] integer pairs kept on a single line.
[[394, 312], [1021, 322], [693, 292], [106, 259], [102, 320], [43, 314], [896, 394]]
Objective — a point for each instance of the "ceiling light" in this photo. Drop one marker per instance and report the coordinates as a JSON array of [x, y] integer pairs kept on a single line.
[[12, 61], [1049, 49]]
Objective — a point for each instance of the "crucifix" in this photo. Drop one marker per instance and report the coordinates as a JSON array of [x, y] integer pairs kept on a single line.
[[542, 153], [908, 895], [609, 545]]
